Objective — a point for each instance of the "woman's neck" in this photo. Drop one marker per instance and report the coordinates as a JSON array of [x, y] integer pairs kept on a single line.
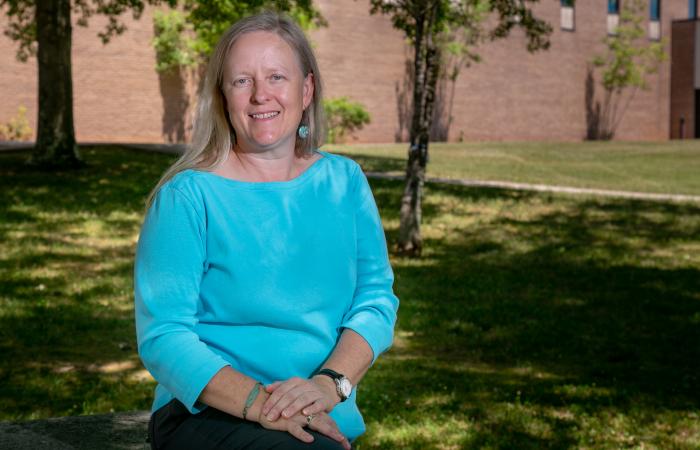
[[263, 166]]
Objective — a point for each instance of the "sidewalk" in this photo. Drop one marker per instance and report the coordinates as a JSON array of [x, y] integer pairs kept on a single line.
[[549, 188]]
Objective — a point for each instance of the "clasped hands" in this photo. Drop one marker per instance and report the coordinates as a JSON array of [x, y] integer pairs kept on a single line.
[[290, 403]]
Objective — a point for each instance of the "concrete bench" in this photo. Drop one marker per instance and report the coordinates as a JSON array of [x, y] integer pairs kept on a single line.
[[101, 432]]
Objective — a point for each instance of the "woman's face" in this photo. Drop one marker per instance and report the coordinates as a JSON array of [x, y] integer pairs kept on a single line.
[[266, 92]]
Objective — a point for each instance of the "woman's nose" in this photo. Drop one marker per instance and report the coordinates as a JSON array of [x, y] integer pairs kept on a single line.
[[260, 93]]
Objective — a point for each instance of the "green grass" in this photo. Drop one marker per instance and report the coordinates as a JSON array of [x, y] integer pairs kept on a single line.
[[667, 167], [532, 321]]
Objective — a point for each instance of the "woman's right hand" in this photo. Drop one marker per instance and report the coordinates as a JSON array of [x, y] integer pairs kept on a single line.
[[322, 422]]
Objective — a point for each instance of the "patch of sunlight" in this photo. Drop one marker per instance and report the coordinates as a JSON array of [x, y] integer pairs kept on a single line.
[[91, 227], [516, 373], [124, 215], [141, 376], [15, 234], [64, 368], [561, 414], [687, 255], [447, 434], [581, 392], [610, 429], [112, 367], [686, 432], [424, 261], [401, 338], [437, 399], [666, 429], [391, 225], [522, 417], [53, 270]]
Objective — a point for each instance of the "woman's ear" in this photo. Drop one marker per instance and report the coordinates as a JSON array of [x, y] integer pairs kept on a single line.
[[308, 92]]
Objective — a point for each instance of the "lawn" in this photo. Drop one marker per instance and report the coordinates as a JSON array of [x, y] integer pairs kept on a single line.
[[666, 167], [532, 321]]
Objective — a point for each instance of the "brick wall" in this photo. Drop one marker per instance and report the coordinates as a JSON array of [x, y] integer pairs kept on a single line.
[[511, 95]]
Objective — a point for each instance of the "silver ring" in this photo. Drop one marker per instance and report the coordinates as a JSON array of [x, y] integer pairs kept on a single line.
[[309, 418]]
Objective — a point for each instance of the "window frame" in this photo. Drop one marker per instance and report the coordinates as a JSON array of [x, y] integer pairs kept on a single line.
[[654, 30], [613, 17], [566, 10]]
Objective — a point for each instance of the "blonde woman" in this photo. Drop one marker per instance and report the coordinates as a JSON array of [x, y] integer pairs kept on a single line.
[[263, 287]]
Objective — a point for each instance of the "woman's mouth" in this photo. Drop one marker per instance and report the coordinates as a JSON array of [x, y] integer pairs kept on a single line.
[[266, 115]]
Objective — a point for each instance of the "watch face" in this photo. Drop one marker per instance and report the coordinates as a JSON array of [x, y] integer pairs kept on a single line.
[[345, 387]]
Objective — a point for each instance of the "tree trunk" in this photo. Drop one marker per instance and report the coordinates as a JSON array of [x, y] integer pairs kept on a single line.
[[410, 241], [55, 145]]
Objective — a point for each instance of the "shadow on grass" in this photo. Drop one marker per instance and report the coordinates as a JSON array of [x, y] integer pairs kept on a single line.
[[522, 325], [533, 321], [374, 163], [65, 278]]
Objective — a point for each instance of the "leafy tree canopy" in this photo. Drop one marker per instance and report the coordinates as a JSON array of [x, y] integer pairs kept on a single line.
[[209, 18], [22, 26]]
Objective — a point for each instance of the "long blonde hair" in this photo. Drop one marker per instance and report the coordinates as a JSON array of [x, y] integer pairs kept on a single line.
[[213, 136]]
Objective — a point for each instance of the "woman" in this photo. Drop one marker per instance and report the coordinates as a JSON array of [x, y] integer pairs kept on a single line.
[[262, 282]]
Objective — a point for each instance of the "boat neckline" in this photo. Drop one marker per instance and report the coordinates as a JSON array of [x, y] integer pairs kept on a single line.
[[299, 179]]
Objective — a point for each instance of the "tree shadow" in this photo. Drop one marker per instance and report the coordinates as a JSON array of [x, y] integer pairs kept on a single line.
[[374, 163], [404, 99], [563, 308], [179, 87]]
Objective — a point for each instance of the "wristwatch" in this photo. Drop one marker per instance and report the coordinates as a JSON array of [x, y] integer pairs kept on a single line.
[[343, 386]]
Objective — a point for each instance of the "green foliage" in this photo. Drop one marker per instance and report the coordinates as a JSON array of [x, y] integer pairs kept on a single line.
[[342, 117], [22, 28], [210, 18], [467, 19], [630, 56], [187, 38], [17, 129], [174, 44], [629, 59]]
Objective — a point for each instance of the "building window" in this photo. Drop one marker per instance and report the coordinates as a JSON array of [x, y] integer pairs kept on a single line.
[[655, 19], [613, 16], [692, 9], [568, 22]]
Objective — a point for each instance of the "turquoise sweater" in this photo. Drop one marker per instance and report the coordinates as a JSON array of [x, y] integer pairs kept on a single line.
[[262, 277]]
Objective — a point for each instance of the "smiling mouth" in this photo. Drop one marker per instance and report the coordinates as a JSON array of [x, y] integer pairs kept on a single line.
[[267, 115]]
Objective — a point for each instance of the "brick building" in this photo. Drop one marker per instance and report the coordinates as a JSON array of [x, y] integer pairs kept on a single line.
[[511, 95]]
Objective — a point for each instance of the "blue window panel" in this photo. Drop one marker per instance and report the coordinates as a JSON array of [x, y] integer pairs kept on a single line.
[[567, 3], [613, 6], [654, 10], [692, 9]]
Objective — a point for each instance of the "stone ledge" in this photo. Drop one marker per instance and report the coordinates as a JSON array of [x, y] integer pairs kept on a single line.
[[119, 431]]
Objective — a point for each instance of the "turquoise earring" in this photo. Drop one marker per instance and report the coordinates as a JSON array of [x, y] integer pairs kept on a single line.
[[303, 132]]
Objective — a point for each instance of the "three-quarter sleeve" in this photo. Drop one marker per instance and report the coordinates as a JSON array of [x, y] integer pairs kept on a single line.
[[373, 311], [170, 262]]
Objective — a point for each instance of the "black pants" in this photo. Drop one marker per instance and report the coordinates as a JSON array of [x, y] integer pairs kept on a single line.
[[173, 427]]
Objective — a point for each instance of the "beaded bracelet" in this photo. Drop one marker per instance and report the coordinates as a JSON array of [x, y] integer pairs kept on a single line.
[[251, 398]]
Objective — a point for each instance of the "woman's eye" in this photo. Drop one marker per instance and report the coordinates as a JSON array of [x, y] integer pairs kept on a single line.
[[241, 82]]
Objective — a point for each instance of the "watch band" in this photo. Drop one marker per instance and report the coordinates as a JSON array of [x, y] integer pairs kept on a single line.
[[331, 373], [339, 380]]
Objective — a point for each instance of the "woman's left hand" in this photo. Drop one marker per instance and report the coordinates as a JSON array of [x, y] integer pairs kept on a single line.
[[296, 394]]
